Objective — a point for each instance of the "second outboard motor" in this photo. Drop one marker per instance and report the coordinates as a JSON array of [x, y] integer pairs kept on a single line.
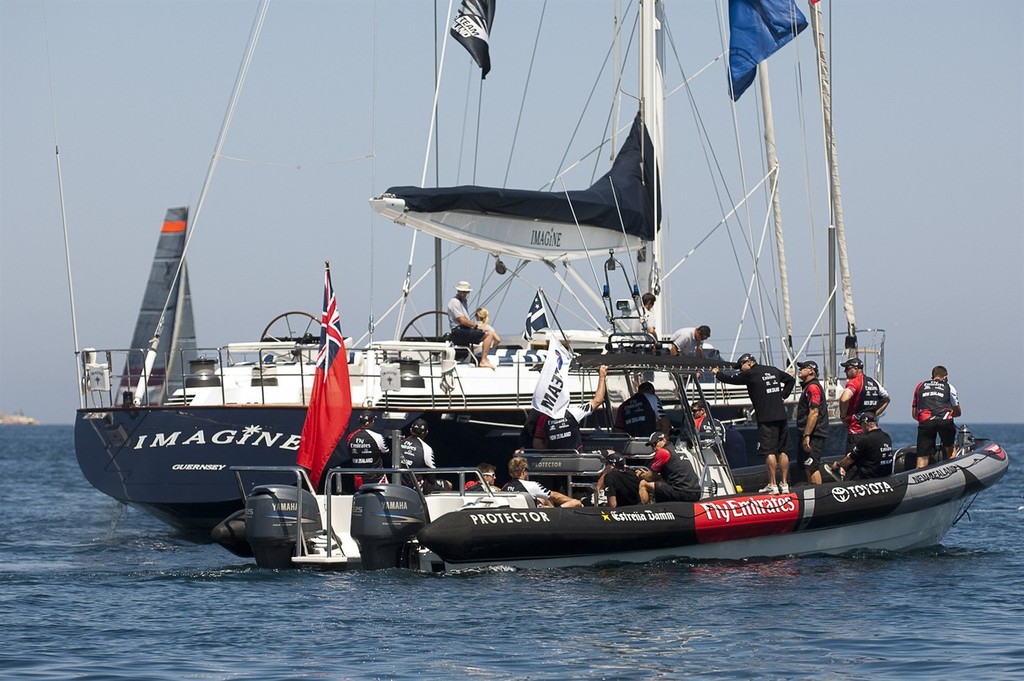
[[270, 517], [384, 518]]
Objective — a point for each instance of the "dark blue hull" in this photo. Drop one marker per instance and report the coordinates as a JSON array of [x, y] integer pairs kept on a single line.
[[175, 463]]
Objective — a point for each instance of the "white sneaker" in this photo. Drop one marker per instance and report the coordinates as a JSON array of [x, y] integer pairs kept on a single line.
[[783, 488], [768, 489]]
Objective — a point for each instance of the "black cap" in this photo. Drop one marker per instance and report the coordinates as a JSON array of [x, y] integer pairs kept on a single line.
[[418, 427], [810, 363], [367, 417], [745, 357], [867, 417], [616, 460], [853, 362], [655, 436]]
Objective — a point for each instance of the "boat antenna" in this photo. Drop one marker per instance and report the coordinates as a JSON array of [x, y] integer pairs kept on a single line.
[[63, 212], [243, 71]]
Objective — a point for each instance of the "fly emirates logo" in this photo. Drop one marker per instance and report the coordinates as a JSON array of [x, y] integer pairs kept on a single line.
[[728, 510], [253, 436]]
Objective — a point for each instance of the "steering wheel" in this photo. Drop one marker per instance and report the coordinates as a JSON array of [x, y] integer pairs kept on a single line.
[[292, 327], [412, 325]]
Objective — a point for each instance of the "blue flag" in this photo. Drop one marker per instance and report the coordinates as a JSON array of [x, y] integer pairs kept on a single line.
[[757, 29], [536, 318]]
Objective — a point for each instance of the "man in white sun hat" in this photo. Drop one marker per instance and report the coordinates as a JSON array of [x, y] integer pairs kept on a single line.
[[466, 330]]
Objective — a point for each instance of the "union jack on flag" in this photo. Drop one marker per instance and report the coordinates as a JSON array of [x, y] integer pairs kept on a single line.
[[331, 340], [330, 404]]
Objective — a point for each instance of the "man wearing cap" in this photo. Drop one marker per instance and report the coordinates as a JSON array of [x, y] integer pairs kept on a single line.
[[620, 484], [935, 406], [871, 457], [861, 394], [466, 331], [671, 478], [811, 420], [641, 413], [768, 389]]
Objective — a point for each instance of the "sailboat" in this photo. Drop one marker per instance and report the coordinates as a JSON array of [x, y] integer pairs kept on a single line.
[[170, 452]]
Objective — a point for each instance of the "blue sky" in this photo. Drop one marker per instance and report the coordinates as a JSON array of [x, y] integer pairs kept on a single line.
[[928, 98]]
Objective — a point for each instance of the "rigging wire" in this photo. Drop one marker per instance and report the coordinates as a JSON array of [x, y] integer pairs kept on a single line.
[[526, 87], [243, 71], [63, 211]]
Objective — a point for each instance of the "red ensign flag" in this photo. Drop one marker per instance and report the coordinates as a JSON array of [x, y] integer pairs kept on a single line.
[[330, 403]]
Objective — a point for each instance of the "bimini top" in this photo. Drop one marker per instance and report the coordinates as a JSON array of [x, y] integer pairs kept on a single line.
[[629, 361], [616, 212]]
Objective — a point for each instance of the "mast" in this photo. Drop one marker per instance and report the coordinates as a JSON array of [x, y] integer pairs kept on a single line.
[[652, 110], [773, 170], [837, 232]]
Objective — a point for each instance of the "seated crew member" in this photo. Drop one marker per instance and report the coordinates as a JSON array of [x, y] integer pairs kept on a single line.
[[671, 478], [416, 453], [871, 456], [487, 472], [642, 413], [620, 484], [466, 331], [484, 317], [708, 429], [519, 471], [564, 433]]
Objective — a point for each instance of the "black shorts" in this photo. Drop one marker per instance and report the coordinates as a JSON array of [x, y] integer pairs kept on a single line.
[[926, 432], [772, 437], [812, 460], [463, 335], [666, 492]]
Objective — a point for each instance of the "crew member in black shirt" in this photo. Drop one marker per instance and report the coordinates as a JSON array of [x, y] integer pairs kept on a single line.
[[811, 421], [768, 388], [872, 455], [620, 484]]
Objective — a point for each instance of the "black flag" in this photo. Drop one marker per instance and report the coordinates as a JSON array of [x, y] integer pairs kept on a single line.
[[472, 28]]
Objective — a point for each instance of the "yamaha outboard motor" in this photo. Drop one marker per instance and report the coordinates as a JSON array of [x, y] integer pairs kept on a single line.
[[230, 533], [384, 518], [270, 516]]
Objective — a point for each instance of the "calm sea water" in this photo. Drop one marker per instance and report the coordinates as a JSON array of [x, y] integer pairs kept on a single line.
[[92, 590]]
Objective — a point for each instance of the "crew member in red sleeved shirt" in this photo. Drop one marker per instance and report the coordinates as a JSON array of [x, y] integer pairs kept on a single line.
[[862, 394], [811, 420], [935, 406]]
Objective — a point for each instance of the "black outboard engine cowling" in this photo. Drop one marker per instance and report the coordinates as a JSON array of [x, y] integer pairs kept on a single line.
[[270, 516], [384, 518]]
